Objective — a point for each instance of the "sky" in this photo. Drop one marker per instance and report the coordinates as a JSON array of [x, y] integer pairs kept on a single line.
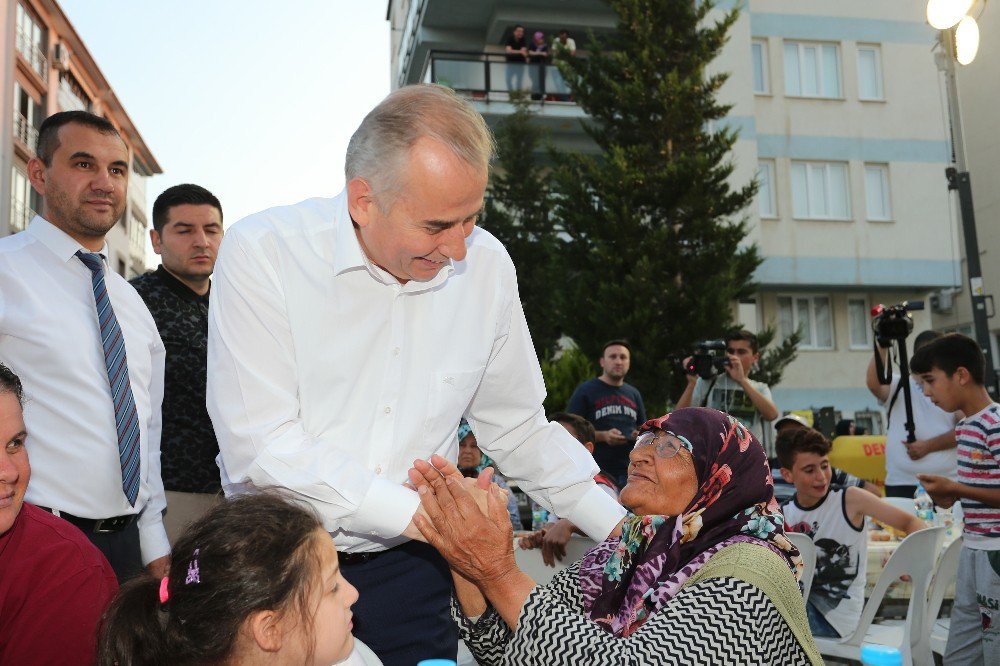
[[253, 99]]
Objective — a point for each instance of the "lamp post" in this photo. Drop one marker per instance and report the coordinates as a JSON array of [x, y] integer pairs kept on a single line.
[[959, 44]]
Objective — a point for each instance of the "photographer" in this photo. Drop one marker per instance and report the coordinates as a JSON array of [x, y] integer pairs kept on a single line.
[[933, 452], [734, 392]]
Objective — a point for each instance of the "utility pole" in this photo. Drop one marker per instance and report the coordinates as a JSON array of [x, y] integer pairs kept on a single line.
[[959, 180]]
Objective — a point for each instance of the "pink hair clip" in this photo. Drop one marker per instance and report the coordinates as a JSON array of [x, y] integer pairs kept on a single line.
[[193, 575], [164, 592]]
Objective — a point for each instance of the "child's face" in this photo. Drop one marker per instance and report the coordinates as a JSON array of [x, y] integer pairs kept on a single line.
[[810, 474], [332, 598], [943, 389]]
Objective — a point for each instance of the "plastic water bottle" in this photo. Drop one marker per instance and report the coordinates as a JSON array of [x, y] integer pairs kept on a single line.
[[880, 655], [944, 518], [539, 516], [923, 505]]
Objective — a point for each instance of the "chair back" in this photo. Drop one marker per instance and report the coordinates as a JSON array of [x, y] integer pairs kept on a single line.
[[903, 503], [807, 549], [944, 575], [916, 557]]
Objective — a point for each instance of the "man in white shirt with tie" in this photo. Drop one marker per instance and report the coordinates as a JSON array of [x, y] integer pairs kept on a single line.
[[349, 336], [86, 349]]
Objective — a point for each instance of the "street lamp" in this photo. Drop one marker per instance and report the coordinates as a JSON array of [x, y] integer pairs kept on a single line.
[[961, 44]]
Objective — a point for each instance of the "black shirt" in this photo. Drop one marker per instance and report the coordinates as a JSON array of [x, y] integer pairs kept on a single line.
[[188, 445], [517, 45]]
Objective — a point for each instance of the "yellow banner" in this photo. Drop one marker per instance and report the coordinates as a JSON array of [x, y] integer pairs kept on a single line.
[[860, 455]]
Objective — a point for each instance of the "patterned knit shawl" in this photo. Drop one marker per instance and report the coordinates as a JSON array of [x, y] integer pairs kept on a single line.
[[626, 580]]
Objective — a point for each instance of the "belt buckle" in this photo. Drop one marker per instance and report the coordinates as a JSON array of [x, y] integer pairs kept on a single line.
[[110, 525]]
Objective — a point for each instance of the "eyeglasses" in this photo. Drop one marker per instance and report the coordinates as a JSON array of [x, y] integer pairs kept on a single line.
[[666, 444]]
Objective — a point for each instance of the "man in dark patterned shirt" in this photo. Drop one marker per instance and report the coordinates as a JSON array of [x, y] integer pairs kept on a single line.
[[187, 230]]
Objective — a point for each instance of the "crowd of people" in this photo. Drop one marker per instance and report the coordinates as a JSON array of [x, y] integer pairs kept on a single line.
[[285, 445]]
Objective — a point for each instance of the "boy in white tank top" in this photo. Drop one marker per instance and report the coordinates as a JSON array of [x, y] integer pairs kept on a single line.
[[835, 519]]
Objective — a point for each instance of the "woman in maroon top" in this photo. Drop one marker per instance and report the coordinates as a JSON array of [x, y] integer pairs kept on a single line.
[[54, 584]]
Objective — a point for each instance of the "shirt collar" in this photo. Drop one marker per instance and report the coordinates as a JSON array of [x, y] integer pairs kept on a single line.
[[347, 254], [58, 241], [179, 288]]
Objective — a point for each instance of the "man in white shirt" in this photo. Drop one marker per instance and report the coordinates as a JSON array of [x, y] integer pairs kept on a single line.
[[86, 349], [934, 450], [349, 336]]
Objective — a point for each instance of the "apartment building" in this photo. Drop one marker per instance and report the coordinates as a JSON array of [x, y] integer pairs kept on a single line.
[[841, 115], [46, 69]]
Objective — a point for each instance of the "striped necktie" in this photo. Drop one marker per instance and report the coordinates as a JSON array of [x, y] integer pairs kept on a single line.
[[126, 417]]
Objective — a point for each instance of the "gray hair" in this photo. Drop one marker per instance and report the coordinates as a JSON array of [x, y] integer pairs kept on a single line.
[[379, 148]]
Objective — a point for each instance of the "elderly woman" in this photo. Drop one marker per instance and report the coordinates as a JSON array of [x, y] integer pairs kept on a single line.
[[701, 574], [471, 463]]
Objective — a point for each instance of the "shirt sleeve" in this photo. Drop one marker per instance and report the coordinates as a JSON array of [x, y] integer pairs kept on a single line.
[[153, 542], [578, 403], [698, 395], [252, 397], [543, 458]]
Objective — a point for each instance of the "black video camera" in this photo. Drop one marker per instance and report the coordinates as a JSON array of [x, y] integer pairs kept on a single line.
[[709, 359], [894, 322]]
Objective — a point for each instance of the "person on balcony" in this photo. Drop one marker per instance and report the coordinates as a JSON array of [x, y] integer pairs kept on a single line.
[[517, 59]]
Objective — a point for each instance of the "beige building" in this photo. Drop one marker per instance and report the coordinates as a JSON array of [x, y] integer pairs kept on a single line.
[[841, 116], [979, 93], [47, 69]]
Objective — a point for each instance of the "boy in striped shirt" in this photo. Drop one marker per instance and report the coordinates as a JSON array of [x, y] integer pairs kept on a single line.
[[952, 368]]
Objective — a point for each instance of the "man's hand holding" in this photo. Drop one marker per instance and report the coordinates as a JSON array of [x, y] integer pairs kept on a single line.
[[554, 541], [942, 490], [735, 369], [613, 437]]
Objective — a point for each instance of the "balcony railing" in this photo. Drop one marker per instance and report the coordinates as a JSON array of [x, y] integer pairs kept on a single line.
[[33, 53], [25, 132], [488, 76], [20, 216]]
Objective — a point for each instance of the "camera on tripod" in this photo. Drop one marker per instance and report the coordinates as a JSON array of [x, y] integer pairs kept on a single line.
[[709, 359], [892, 323]]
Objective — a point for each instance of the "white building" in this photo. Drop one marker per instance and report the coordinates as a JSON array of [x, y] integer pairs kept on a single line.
[[840, 110]]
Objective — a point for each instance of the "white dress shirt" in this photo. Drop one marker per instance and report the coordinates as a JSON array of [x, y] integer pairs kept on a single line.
[[329, 377], [50, 337]]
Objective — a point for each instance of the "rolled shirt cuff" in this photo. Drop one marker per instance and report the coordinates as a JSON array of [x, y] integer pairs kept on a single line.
[[386, 510], [597, 514]]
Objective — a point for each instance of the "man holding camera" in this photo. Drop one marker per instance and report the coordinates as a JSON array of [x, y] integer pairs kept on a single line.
[[933, 452], [734, 392]]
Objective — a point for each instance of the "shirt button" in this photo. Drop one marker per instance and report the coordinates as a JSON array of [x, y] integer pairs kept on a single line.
[[378, 469], [388, 410], [395, 352]]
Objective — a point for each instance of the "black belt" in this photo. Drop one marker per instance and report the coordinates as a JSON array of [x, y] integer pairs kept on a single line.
[[95, 525], [360, 558]]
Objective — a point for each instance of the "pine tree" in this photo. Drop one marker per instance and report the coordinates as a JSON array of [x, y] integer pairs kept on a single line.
[[654, 233], [517, 213]]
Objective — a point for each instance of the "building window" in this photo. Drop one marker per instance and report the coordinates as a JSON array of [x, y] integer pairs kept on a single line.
[[858, 323], [811, 316], [20, 201], [812, 70], [31, 40], [27, 117], [877, 194], [71, 94], [766, 200], [761, 79], [870, 72], [820, 191]]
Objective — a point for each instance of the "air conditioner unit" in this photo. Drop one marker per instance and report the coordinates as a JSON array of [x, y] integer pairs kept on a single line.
[[60, 57], [942, 302]]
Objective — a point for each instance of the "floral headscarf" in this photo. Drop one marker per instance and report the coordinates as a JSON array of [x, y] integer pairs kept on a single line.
[[626, 580], [464, 430]]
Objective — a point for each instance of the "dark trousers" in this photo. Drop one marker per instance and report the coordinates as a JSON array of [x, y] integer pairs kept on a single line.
[[403, 611], [900, 491], [121, 549]]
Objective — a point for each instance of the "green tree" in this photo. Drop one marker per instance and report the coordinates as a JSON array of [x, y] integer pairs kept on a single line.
[[517, 213], [562, 374], [774, 360], [654, 232]]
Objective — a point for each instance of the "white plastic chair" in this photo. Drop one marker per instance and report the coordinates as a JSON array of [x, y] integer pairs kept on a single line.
[[944, 576], [902, 503], [916, 557], [808, 551]]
